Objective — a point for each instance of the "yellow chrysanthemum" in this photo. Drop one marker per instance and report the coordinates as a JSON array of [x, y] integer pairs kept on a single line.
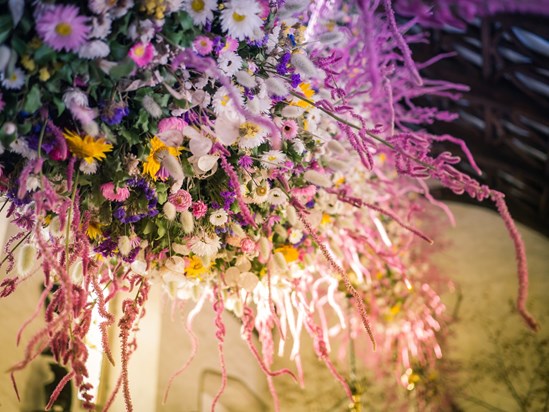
[[289, 252], [326, 218], [87, 147], [195, 268], [153, 163]]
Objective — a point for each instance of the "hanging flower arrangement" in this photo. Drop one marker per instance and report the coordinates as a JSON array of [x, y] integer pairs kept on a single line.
[[265, 156]]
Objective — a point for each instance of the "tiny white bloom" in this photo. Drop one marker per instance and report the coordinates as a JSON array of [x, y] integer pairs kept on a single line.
[[272, 159], [14, 81], [277, 197], [295, 236], [219, 217]]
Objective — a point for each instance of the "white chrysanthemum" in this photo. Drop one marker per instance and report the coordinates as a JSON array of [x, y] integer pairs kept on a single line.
[[200, 10], [14, 81], [206, 245], [251, 135], [277, 197], [94, 49], [245, 79], [317, 178], [272, 159], [219, 217], [295, 236], [240, 18], [229, 63], [89, 168]]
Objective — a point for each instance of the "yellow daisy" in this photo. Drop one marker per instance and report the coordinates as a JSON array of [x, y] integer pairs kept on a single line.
[[308, 92], [87, 147], [289, 252], [94, 230], [153, 163], [195, 268]]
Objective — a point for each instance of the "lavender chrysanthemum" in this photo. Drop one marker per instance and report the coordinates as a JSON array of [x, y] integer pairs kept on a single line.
[[62, 28]]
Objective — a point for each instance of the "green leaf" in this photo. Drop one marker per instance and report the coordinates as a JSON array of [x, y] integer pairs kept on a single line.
[[59, 105], [122, 69], [33, 100], [149, 227], [161, 229], [44, 54]]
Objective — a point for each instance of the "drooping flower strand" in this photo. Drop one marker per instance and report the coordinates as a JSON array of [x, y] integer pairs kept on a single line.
[[194, 345], [520, 254], [358, 299], [220, 335]]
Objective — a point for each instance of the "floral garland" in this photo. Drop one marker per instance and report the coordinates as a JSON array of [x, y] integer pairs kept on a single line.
[[264, 155]]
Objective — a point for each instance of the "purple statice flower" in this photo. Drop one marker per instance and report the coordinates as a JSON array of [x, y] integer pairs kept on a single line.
[[141, 187], [295, 80], [112, 114], [228, 199], [107, 247], [245, 162], [282, 66], [277, 99], [214, 205], [310, 204], [218, 44], [132, 255], [249, 93]]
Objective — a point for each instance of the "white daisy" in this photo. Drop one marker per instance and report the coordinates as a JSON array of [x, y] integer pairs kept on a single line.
[[277, 197], [15, 81], [200, 10], [295, 236], [222, 101], [272, 159], [206, 245], [251, 135], [240, 18], [229, 63], [219, 217], [260, 193]]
